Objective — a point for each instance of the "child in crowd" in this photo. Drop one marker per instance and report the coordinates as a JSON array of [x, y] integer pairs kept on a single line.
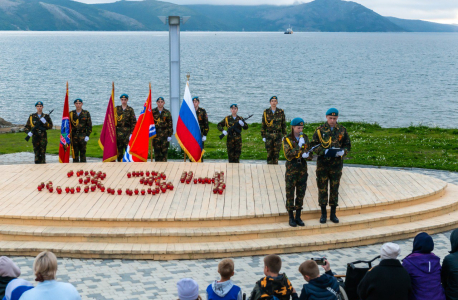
[[188, 289], [274, 285], [224, 288], [324, 287]]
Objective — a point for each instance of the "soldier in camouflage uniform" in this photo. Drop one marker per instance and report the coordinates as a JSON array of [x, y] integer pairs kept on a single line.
[[334, 144], [39, 135], [81, 130], [234, 139], [295, 147], [202, 118], [272, 130], [126, 122], [164, 130]]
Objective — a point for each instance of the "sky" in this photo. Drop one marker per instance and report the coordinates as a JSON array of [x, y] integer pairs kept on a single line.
[[441, 11]]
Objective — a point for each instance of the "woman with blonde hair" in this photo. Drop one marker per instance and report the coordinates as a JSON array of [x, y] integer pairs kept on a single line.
[[45, 269]]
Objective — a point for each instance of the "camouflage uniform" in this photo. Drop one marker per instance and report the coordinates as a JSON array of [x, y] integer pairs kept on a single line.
[[296, 171], [267, 287], [273, 129], [81, 128], [125, 126], [330, 168], [40, 137], [234, 139], [164, 129], [203, 124]]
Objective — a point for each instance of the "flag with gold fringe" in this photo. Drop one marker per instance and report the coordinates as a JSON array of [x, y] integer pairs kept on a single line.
[[107, 140]]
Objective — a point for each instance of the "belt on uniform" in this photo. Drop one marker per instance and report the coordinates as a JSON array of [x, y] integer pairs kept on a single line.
[[274, 131]]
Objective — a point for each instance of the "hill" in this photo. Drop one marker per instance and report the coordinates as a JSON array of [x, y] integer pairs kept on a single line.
[[423, 26]]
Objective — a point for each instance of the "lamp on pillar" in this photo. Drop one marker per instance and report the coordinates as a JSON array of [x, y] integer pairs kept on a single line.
[[174, 66]]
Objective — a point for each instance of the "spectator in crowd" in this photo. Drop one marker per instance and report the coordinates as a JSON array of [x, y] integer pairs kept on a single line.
[[45, 269], [188, 289], [450, 269], [224, 288], [424, 269], [16, 288], [8, 271], [324, 287], [388, 280], [274, 283]]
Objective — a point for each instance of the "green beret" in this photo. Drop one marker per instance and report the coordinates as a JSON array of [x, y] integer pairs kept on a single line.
[[297, 122], [233, 105], [39, 103], [77, 100], [196, 98], [124, 95], [273, 97], [332, 112], [160, 98]]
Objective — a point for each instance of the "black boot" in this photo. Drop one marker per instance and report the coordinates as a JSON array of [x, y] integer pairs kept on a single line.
[[324, 214], [333, 217], [298, 218], [292, 222]]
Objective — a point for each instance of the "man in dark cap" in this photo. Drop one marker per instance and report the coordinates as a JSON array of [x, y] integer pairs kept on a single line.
[[202, 118], [334, 144], [39, 135], [272, 130], [164, 130], [126, 122], [81, 130], [234, 139]]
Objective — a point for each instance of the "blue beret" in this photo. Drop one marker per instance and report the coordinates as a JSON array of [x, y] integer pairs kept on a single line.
[[196, 98], [332, 112], [124, 95], [39, 103], [77, 100], [273, 97], [297, 122], [160, 98], [233, 105]]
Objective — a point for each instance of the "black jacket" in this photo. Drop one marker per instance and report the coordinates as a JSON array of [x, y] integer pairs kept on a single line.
[[388, 280], [449, 272], [324, 287]]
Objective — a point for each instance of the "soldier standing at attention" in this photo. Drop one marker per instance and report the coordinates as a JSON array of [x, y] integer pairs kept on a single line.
[[234, 139], [272, 130], [164, 130], [126, 122], [334, 144], [39, 136], [81, 130], [295, 147], [202, 118]]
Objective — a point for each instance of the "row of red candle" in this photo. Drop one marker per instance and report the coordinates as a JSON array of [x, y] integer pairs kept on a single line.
[[147, 173], [87, 173], [150, 180], [186, 176]]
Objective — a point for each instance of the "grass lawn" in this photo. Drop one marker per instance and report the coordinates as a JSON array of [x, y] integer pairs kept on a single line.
[[414, 146]]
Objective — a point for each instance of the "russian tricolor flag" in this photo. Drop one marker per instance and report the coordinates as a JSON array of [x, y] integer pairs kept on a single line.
[[188, 129]]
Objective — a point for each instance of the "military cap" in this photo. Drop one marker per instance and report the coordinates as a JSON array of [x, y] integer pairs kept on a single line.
[[196, 98], [124, 95], [160, 98], [233, 105], [77, 100], [273, 97], [297, 122], [332, 112], [39, 103]]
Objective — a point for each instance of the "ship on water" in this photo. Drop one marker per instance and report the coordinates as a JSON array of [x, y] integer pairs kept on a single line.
[[289, 30]]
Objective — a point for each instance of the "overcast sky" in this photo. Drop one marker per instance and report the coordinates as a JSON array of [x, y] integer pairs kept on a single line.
[[442, 11]]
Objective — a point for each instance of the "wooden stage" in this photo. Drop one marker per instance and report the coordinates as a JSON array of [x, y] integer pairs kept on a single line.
[[190, 222]]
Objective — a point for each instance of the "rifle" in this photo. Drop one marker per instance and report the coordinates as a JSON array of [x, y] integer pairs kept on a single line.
[[236, 127], [38, 126]]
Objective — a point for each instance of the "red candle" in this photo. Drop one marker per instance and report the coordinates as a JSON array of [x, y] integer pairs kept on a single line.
[[86, 189], [67, 189], [142, 180], [171, 187], [200, 179], [78, 189], [143, 192], [39, 188], [215, 190], [129, 175], [102, 188], [42, 185], [150, 191], [136, 191], [220, 191], [153, 191], [119, 191], [72, 190], [147, 173], [93, 187]]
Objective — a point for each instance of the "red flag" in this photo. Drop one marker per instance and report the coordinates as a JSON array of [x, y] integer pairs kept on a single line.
[[107, 140], [65, 132], [137, 151]]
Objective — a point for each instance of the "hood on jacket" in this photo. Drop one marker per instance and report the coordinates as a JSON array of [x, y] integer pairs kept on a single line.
[[454, 241], [426, 263], [8, 268], [222, 288], [423, 243], [323, 281]]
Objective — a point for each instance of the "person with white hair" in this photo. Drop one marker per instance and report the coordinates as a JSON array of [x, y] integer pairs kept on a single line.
[[388, 280]]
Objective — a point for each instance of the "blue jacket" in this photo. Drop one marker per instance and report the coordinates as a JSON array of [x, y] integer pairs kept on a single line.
[[324, 287], [226, 290]]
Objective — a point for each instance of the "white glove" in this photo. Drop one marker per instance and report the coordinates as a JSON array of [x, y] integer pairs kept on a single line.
[[204, 138], [130, 136], [241, 123], [305, 155], [264, 140], [169, 139], [224, 132], [30, 134], [86, 139], [43, 120], [340, 153], [326, 151], [301, 142]]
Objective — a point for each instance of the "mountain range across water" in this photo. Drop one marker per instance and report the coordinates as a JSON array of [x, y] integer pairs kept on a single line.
[[315, 16]]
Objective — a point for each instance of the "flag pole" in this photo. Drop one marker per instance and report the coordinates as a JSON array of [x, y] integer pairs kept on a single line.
[[151, 148], [187, 76]]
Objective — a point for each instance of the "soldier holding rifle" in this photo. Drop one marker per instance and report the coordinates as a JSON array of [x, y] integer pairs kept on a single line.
[[37, 125], [234, 124], [272, 130]]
